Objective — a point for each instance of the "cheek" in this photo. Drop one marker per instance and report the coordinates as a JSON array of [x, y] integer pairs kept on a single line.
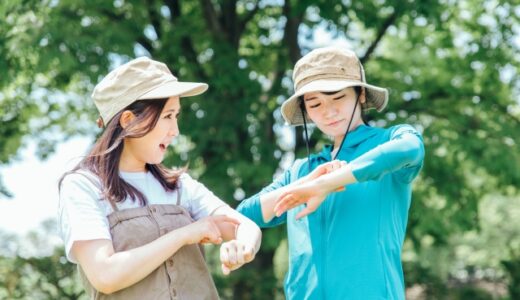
[[314, 114]]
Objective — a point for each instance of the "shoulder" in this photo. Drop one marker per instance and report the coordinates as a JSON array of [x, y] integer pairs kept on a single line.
[[81, 179], [80, 193], [185, 180]]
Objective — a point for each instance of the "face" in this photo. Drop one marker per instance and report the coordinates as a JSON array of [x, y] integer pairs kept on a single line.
[[151, 148], [331, 113]]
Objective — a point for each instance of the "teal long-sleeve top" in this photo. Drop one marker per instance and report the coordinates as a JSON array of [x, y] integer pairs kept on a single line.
[[350, 247]]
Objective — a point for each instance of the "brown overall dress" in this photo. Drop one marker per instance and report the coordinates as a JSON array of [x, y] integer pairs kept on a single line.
[[183, 276]]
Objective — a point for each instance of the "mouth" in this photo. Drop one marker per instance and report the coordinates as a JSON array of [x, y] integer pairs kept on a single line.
[[162, 147], [335, 123]]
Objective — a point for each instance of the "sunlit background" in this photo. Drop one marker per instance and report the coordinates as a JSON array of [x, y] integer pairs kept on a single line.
[[451, 68]]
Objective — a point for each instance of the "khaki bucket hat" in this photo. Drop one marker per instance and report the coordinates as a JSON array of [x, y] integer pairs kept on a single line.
[[329, 69], [139, 79]]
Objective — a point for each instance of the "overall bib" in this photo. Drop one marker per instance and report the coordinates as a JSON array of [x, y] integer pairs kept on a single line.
[[183, 276]]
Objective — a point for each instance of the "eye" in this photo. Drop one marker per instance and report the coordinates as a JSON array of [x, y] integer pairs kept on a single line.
[[339, 97], [168, 116], [314, 105]]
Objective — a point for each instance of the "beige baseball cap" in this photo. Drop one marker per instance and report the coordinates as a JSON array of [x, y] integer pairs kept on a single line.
[[329, 69], [139, 79]]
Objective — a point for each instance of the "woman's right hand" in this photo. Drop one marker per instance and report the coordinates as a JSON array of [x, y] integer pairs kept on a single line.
[[206, 230]]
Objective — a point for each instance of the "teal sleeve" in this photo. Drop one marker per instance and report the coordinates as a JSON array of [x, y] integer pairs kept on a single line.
[[252, 208], [402, 156]]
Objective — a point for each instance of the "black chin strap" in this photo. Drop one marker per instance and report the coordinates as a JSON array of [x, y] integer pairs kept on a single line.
[[348, 128], [302, 109]]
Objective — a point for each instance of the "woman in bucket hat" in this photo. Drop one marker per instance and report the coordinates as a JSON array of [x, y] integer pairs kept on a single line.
[[132, 225], [346, 207]]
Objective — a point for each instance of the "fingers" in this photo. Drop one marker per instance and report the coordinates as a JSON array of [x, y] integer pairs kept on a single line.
[[340, 189], [334, 165], [304, 212], [212, 238], [208, 231], [225, 269], [285, 203], [233, 255], [240, 254], [211, 228], [337, 164], [249, 254]]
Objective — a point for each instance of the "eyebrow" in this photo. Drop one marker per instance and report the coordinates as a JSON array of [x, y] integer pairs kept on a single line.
[[309, 99], [170, 110]]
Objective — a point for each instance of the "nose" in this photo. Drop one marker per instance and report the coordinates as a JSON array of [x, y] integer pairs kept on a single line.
[[330, 110], [174, 129]]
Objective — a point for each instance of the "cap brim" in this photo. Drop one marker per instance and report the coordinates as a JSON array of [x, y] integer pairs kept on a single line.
[[175, 88], [376, 97]]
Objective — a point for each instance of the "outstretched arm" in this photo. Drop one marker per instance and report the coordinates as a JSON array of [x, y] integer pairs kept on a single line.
[[109, 271], [269, 200], [405, 151]]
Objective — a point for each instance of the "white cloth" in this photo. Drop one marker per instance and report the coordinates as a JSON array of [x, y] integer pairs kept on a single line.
[[82, 214]]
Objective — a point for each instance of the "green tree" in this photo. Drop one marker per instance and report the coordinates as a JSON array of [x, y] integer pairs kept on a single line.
[[33, 268], [451, 67]]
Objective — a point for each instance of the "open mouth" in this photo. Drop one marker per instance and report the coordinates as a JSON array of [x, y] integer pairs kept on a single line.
[[162, 146]]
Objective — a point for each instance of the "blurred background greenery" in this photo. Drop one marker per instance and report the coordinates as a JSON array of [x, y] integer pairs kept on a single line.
[[451, 68]]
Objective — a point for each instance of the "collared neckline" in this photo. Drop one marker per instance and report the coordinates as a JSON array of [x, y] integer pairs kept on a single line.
[[354, 138]]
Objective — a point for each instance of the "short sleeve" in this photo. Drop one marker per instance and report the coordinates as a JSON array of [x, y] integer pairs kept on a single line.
[[81, 215], [200, 200]]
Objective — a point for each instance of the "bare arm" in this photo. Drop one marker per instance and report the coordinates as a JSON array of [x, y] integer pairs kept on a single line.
[[109, 271], [269, 200], [405, 151]]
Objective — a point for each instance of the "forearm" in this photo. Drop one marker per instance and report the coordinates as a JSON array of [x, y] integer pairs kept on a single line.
[[388, 157], [110, 271], [268, 200], [332, 181]]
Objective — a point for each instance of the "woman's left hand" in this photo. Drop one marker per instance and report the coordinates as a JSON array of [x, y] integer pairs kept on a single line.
[[323, 169], [307, 193], [234, 254]]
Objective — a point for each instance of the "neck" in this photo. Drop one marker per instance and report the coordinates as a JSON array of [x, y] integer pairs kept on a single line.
[[338, 139], [128, 163]]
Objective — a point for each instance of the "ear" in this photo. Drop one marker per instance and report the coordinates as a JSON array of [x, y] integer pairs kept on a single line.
[[362, 96], [126, 118]]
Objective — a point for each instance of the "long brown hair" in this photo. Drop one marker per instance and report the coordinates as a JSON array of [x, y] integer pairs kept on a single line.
[[103, 159]]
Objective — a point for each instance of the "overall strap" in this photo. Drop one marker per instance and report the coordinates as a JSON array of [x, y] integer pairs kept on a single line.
[[179, 191]]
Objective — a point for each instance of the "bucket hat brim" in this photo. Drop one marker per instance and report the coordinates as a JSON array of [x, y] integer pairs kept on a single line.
[[175, 88], [376, 97]]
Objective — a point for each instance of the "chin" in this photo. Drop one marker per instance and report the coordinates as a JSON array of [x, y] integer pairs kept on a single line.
[[156, 161]]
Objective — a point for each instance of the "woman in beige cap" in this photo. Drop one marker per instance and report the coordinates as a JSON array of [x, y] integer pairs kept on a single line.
[[132, 225], [346, 207]]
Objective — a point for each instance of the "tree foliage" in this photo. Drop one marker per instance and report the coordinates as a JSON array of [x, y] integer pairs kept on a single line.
[[451, 67]]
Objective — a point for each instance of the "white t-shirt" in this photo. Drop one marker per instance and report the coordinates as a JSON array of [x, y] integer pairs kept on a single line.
[[83, 216]]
